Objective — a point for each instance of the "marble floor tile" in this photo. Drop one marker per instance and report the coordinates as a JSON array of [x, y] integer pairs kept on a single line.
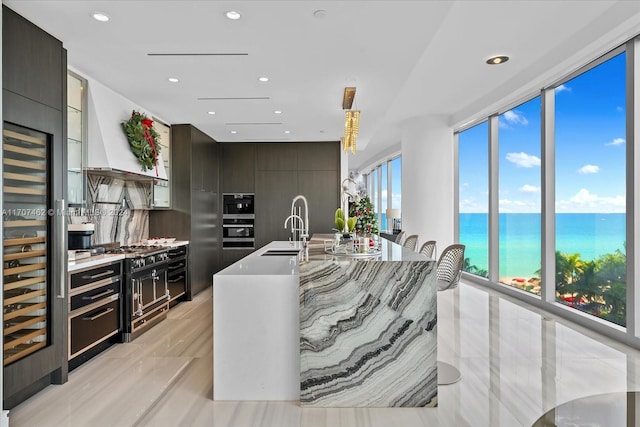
[[517, 363]]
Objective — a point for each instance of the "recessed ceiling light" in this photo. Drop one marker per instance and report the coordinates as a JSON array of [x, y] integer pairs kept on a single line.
[[320, 14], [234, 131], [98, 16], [263, 79], [211, 112], [173, 80], [233, 14], [277, 112], [498, 59], [287, 131]]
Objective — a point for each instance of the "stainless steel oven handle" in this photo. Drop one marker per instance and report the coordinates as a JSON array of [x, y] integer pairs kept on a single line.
[[100, 295], [95, 276], [97, 316], [61, 238], [176, 280], [175, 267], [139, 284]]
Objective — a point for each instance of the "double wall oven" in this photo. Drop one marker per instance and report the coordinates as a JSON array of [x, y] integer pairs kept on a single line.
[[238, 219]]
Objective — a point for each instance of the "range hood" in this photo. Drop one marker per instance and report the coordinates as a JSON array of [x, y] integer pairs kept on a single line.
[[108, 148]]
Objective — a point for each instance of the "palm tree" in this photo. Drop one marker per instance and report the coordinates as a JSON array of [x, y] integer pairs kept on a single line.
[[586, 286], [568, 270]]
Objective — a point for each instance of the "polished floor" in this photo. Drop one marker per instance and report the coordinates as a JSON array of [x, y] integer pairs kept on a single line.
[[517, 364]]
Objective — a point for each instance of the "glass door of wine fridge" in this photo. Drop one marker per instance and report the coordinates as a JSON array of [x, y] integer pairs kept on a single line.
[[34, 257], [26, 202]]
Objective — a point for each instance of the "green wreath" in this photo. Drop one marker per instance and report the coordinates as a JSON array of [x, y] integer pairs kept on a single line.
[[143, 140]]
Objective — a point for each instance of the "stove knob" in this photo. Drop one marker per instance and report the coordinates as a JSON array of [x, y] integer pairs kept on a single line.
[[152, 259]]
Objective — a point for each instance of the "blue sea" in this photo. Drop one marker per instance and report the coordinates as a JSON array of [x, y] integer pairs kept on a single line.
[[590, 235]]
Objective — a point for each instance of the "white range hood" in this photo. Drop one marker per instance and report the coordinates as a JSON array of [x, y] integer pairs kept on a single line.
[[108, 147]]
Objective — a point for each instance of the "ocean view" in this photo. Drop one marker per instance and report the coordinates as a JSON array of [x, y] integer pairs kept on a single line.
[[589, 234]]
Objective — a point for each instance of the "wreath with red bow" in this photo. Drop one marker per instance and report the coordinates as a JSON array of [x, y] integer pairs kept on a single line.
[[143, 140]]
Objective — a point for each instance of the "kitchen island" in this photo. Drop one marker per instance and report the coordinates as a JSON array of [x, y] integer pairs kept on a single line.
[[326, 330]]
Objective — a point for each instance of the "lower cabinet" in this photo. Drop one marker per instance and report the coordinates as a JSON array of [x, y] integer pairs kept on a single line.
[[95, 311]]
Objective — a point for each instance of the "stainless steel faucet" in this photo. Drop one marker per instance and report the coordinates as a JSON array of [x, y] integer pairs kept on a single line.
[[293, 218], [299, 229]]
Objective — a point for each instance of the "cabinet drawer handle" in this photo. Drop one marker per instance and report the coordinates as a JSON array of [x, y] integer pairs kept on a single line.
[[92, 318], [176, 280], [175, 267], [95, 276], [100, 295]]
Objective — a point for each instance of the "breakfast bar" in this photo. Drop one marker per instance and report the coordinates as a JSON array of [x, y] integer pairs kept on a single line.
[[296, 323]]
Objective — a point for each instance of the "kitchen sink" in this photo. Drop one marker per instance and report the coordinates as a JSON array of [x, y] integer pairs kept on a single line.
[[281, 252]]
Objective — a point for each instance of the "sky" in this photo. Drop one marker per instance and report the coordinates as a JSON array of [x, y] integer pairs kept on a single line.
[[590, 149]]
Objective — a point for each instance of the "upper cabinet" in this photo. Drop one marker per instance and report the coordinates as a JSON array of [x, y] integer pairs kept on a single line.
[[238, 167], [314, 156], [76, 139], [36, 69], [277, 157]]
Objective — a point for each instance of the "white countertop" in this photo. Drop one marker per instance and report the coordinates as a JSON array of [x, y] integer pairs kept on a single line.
[[176, 243], [256, 264], [93, 261]]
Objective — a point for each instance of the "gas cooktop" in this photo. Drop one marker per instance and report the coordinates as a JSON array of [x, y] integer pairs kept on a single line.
[[136, 250]]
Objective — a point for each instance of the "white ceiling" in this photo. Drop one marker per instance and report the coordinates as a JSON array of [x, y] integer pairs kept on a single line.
[[406, 58]]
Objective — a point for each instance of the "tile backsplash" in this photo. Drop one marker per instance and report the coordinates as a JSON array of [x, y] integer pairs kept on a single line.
[[117, 207]]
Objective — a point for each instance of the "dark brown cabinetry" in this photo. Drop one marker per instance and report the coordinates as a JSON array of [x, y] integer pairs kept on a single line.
[[282, 171], [274, 192], [35, 66], [196, 214], [277, 157], [34, 131], [238, 167], [95, 311]]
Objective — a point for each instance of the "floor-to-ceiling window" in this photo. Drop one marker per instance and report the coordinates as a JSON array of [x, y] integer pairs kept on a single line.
[[384, 187], [590, 191], [558, 228], [474, 198], [384, 197], [519, 164]]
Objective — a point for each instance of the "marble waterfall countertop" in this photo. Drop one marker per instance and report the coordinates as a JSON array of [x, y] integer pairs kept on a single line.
[[325, 330]]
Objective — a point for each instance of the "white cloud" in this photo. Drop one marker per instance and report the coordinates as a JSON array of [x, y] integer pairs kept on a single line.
[[523, 160], [586, 169], [563, 88], [585, 202], [471, 205], [616, 141], [529, 189], [515, 117]]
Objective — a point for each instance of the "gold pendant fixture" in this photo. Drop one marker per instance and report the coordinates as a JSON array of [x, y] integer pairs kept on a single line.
[[351, 121]]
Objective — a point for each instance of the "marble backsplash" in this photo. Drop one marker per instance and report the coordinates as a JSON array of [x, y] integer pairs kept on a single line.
[[117, 207]]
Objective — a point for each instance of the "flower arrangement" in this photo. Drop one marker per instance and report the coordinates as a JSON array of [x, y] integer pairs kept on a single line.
[[143, 140], [366, 219]]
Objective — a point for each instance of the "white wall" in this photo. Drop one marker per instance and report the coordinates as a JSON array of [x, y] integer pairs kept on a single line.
[[428, 179]]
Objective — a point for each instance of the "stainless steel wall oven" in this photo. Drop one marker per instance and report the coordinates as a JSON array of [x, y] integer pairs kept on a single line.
[[238, 220]]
